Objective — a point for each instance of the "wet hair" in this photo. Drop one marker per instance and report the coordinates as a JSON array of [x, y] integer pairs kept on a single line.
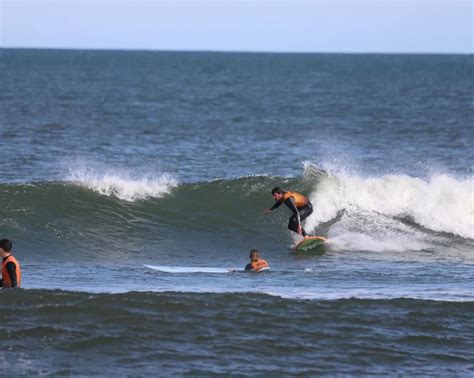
[[276, 189], [254, 251], [6, 245]]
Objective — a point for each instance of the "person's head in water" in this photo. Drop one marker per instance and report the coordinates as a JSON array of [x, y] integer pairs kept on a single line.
[[254, 255], [277, 193], [5, 247]]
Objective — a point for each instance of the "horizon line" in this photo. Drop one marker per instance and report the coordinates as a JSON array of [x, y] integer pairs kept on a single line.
[[120, 49]]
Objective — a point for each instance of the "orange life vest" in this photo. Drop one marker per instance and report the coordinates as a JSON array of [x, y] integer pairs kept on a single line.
[[300, 200], [6, 282], [259, 265]]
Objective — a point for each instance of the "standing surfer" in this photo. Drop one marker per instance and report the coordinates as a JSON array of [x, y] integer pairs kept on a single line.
[[298, 204]]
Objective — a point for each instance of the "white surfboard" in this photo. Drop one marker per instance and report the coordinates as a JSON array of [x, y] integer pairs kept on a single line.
[[190, 269]]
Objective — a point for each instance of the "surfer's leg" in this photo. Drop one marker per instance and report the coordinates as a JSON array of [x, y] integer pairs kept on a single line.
[[305, 212], [293, 225]]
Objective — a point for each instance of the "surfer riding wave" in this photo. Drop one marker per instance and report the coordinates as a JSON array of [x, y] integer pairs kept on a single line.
[[298, 204]]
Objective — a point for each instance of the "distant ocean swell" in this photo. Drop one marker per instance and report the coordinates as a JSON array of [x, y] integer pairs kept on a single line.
[[180, 333]]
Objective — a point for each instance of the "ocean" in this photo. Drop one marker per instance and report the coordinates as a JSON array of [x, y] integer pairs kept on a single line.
[[115, 159]]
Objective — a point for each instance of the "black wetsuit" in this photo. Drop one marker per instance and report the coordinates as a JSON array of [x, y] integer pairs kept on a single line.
[[303, 213], [11, 270]]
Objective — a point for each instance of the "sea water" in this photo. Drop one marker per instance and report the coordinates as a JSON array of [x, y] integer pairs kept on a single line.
[[112, 160]]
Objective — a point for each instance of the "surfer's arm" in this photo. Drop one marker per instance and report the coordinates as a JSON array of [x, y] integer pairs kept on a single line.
[[248, 267], [276, 205], [11, 269]]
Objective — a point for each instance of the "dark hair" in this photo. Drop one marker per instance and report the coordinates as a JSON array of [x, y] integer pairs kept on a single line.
[[6, 245], [276, 189], [254, 251]]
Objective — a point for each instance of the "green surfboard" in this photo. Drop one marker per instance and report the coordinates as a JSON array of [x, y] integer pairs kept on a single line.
[[313, 244]]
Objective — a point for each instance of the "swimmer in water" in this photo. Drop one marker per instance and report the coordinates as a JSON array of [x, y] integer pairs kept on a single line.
[[256, 263]]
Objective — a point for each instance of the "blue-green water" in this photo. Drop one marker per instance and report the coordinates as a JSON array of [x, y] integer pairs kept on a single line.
[[112, 160]]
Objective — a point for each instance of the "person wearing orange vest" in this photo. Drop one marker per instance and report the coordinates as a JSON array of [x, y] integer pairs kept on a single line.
[[11, 273], [298, 204], [256, 263]]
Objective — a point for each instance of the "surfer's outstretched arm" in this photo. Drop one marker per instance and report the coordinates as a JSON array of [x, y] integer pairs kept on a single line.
[[275, 206]]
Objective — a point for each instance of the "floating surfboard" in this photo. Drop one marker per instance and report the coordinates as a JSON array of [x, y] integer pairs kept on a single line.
[[261, 270], [190, 269], [314, 243]]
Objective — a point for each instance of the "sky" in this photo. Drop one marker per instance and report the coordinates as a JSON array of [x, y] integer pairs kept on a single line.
[[384, 26]]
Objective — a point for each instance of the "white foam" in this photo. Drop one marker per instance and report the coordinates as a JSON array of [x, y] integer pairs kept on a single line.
[[441, 203], [380, 242], [122, 184]]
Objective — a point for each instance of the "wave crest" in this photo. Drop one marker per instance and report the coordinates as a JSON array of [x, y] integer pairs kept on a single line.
[[122, 185]]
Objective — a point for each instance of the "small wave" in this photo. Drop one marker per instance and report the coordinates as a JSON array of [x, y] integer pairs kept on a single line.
[[188, 334]]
